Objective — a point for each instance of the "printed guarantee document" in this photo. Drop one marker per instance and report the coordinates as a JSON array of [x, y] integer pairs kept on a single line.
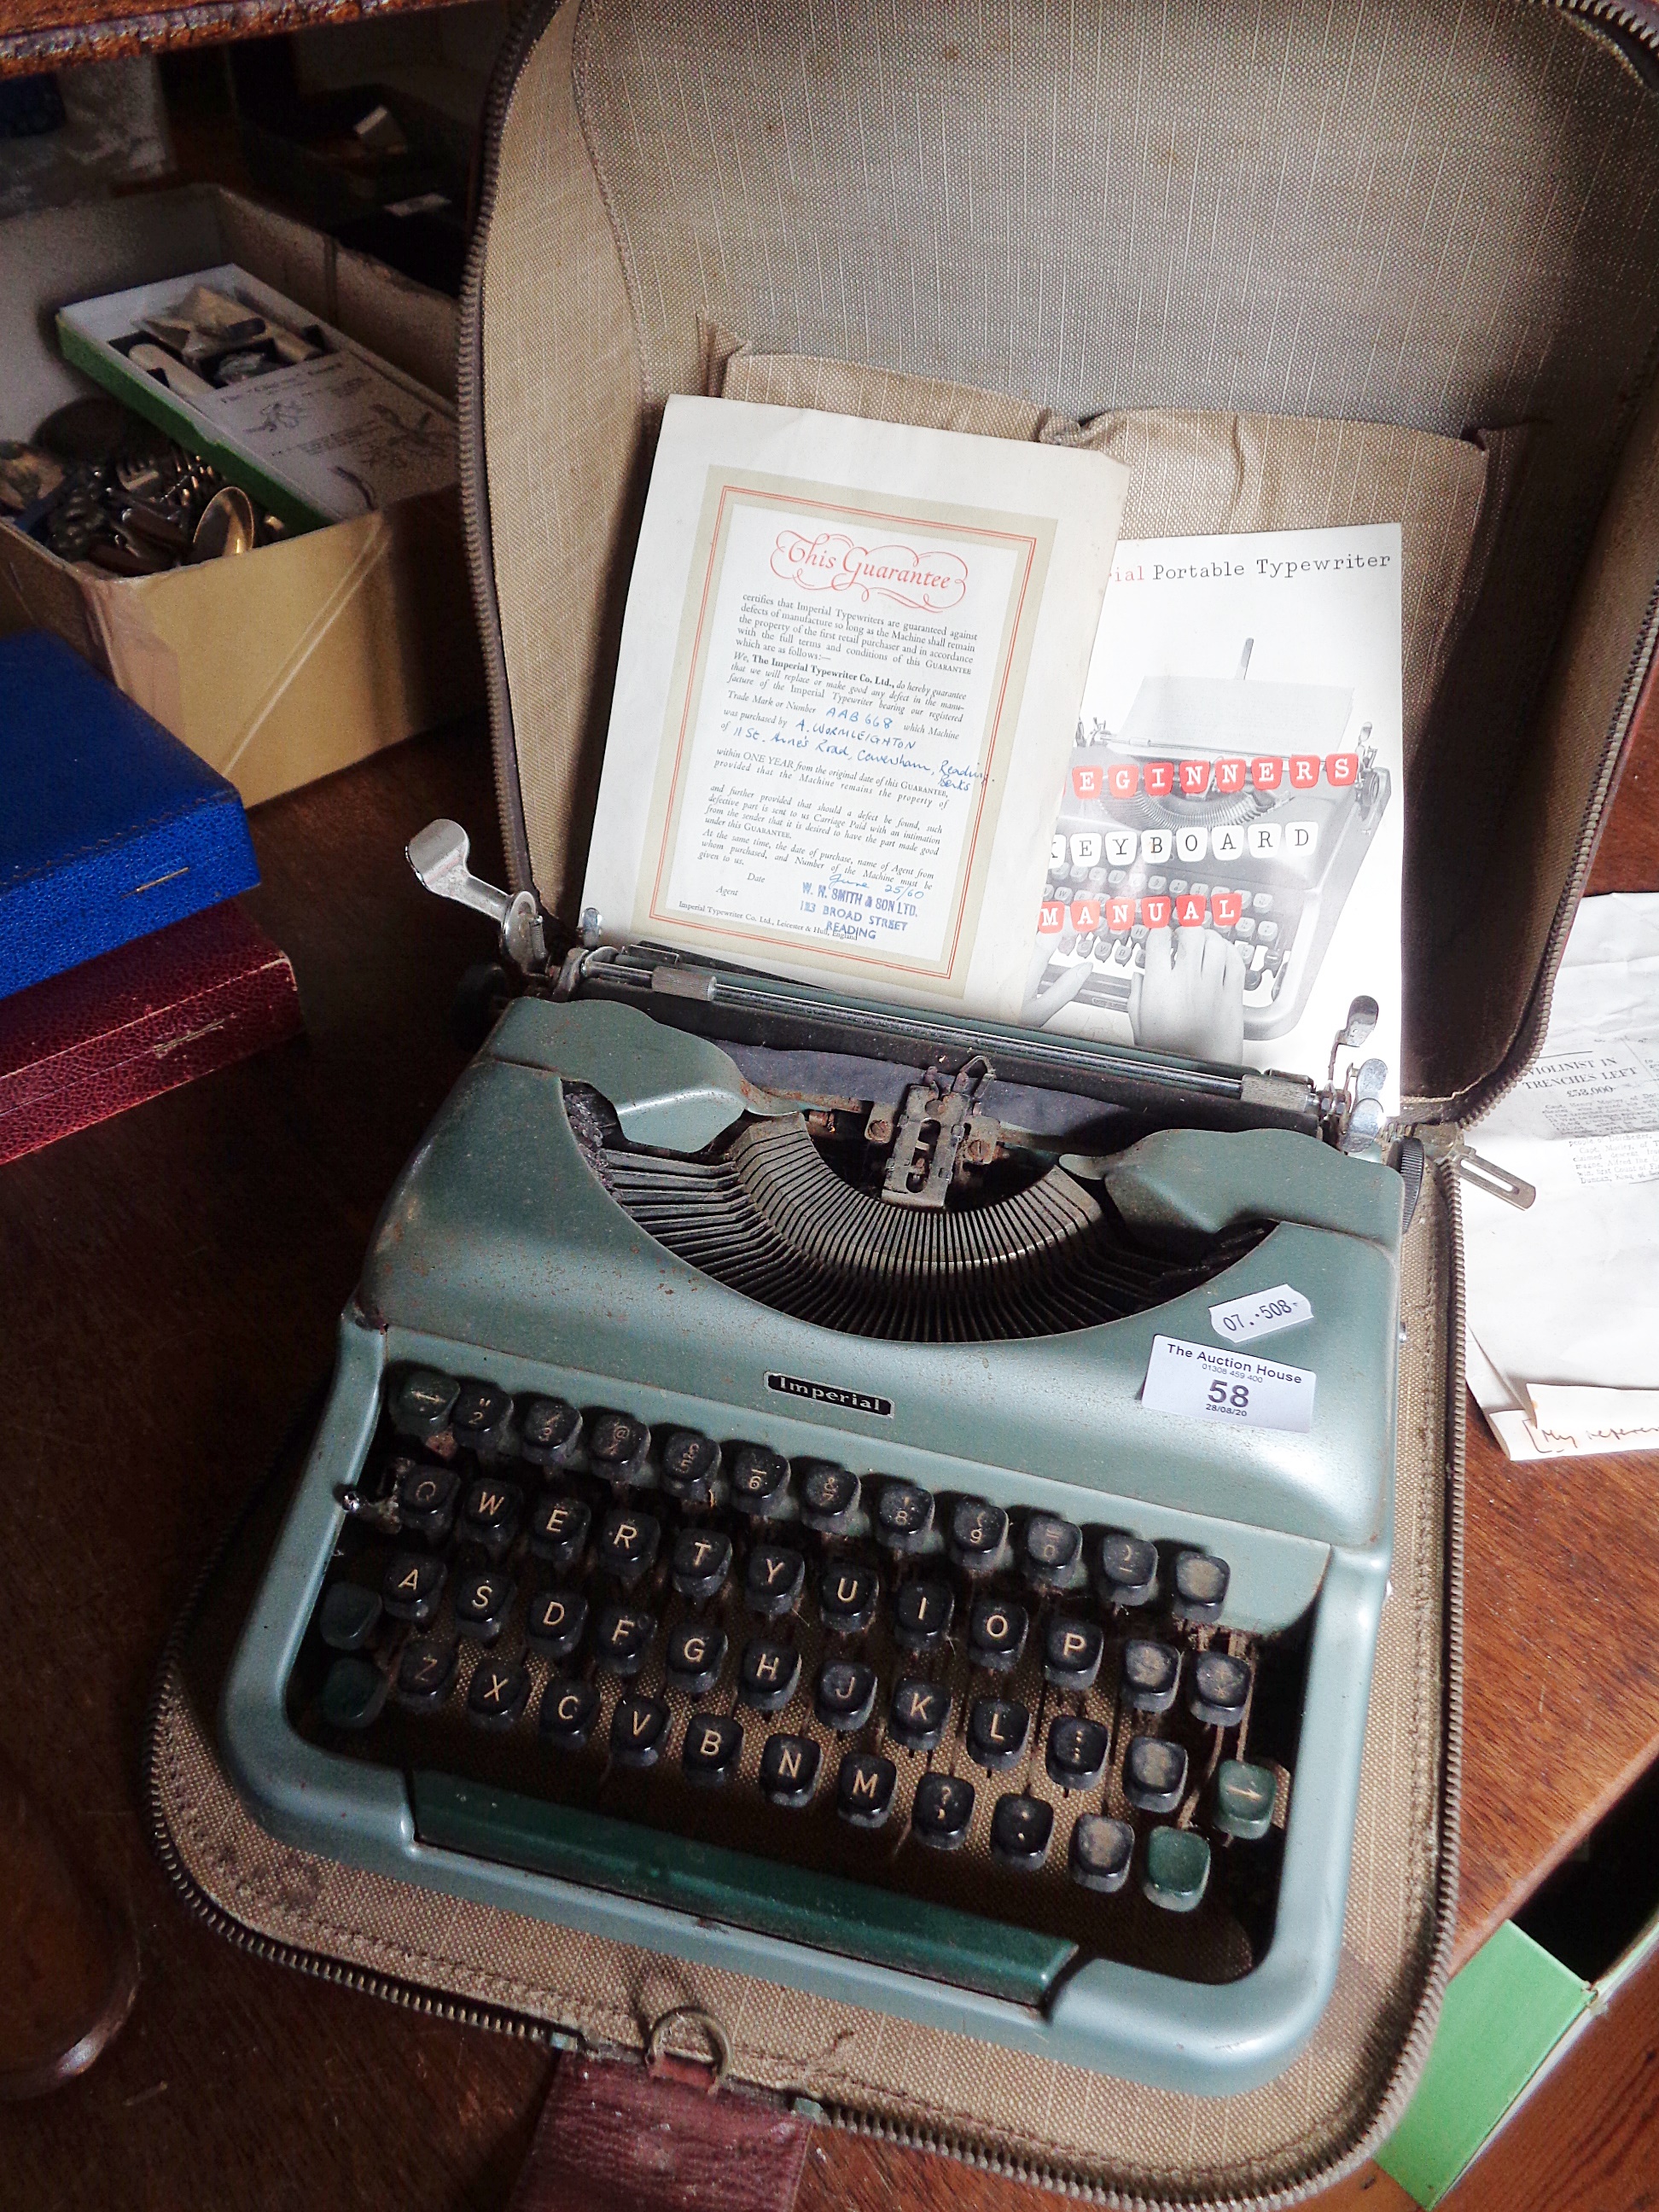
[[851, 664]]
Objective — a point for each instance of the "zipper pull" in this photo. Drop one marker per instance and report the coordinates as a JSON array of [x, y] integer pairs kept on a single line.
[[1487, 1175]]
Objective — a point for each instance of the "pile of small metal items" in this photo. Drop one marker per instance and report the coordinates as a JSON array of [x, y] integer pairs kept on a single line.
[[98, 485]]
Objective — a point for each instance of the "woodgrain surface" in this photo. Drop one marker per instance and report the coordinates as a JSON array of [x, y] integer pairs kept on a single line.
[[42, 34], [171, 1281]]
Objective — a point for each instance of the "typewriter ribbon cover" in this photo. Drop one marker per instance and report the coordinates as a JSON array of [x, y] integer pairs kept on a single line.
[[850, 666]]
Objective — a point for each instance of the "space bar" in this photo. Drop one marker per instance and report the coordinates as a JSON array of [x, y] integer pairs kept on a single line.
[[709, 1883]]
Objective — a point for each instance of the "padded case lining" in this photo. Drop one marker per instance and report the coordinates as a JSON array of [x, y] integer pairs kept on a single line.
[[1439, 215]]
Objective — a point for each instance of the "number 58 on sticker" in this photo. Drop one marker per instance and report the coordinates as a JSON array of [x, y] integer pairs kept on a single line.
[[1197, 1379]]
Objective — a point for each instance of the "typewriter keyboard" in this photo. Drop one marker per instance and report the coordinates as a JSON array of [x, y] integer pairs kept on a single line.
[[1003, 1714]]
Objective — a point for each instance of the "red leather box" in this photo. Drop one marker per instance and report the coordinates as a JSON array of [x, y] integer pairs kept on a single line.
[[137, 1021]]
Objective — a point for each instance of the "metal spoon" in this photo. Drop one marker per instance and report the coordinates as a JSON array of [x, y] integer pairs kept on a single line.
[[227, 526]]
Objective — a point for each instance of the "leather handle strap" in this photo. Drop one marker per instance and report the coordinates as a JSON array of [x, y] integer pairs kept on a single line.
[[615, 2136]]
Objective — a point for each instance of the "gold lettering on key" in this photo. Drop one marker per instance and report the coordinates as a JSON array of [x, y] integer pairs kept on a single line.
[[626, 1532], [1073, 1643], [767, 1667], [569, 1705], [774, 1568], [695, 1649], [411, 1581], [640, 1719], [846, 1591], [490, 1503], [790, 1762], [711, 1744], [863, 1784], [996, 1625]]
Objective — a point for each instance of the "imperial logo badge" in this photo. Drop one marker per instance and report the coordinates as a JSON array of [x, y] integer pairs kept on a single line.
[[826, 1394]]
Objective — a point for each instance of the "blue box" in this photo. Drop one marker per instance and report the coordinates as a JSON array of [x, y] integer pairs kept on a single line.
[[110, 827]]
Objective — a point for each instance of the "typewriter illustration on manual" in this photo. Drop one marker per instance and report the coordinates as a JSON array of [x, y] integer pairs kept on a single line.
[[1241, 806]]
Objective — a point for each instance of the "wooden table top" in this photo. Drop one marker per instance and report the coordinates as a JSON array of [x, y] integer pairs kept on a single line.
[[173, 1280], [44, 34]]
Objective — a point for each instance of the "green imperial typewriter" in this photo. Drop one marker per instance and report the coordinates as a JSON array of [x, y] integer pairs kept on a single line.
[[894, 1505]]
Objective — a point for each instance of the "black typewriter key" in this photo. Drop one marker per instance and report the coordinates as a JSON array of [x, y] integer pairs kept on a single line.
[[689, 1464], [864, 1788], [622, 1638], [829, 1497], [695, 1656], [941, 1812], [996, 1634], [1218, 1689], [1020, 1829], [921, 1615], [413, 1584], [1151, 1675], [628, 1544], [702, 1561], [558, 1530], [1201, 1586], [789, 1770], [421, 1403], [713, 1746], [490, 1515], [1072, 1652], [353, 1691], [846, 1598], [1076, 1752], [1129, 1571], [1051, 1551], [760, 1480], [556, 1621], [1101, 1852], [348, 1616], [568, 1713], [1177, 1871], [426, 1499], [482, 1418], [918, 1715], [904, 1517], [978, 1533], [483, 1601], [1154, 1774], [498, 1693], [768, 1674], [427, 1668], [550, 1433], [772, 1580], [616, 1447], [639, 1728], [846, 1691], [998, 1731]]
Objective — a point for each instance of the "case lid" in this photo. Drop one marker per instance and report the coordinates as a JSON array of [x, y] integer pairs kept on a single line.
[[1411, 219]]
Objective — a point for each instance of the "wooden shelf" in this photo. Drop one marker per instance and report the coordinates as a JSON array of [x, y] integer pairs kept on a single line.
[[44, 34]]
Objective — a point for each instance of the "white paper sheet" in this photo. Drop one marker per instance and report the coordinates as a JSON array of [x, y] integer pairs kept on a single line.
[[1224, 877], [850, 667], [1563, 1298]]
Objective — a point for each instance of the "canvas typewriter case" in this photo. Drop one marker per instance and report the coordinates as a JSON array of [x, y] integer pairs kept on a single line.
[[1378, 260]]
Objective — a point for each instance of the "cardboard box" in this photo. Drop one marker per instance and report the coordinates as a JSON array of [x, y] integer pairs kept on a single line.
[[302, 656]]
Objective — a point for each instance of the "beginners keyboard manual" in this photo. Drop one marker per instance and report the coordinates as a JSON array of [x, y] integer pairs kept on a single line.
[[1225, 874], [850, 668]]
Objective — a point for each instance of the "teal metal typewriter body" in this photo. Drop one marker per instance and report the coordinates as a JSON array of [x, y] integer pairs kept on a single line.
[[737, 1526]]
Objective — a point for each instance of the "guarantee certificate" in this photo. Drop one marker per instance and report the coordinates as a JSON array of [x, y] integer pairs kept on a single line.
[[826, 764]]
